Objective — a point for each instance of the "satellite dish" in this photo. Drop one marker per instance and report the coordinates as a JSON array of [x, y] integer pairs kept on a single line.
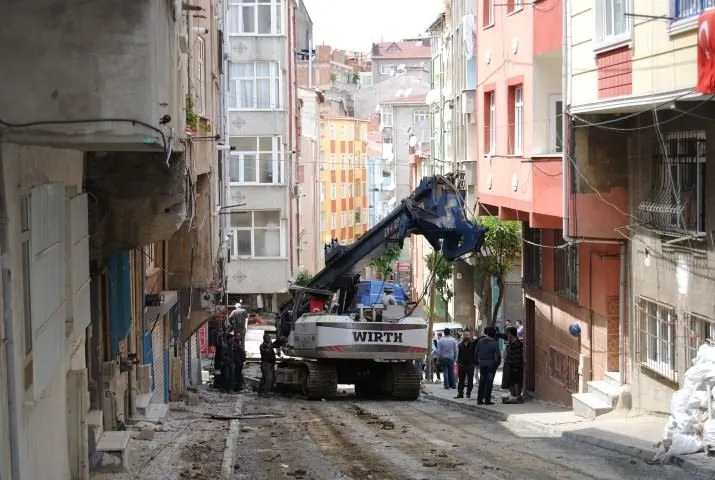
[[413, 140]]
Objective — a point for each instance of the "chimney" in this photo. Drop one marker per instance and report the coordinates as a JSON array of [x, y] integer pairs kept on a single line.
[[375, 50]]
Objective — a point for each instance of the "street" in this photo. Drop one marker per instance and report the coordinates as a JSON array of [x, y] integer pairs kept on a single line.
[[371, 440]]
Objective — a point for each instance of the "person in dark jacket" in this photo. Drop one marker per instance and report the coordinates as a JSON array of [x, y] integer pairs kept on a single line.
[[227, 369], [488, 358], [465, 362], [268, 364], [514, 366], [239, 358]]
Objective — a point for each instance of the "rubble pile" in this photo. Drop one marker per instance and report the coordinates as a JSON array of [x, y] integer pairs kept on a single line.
[[691, 428]]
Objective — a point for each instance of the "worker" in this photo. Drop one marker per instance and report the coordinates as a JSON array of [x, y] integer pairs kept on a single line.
[[239, 358], [268, 365], [227, 369]]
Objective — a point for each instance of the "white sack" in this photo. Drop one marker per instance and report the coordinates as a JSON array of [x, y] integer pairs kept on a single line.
[[698, 374], [709, 432], [679, 402], [698, 400], [686, 423], [671, 428], [684, 445], [706, 354]]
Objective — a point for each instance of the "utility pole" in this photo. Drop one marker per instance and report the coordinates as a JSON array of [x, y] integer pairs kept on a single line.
[[430, 323]]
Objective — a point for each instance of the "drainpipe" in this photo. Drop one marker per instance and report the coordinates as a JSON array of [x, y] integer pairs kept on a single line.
[[622, 317], [566, 102], [290, 26], [12, 405]]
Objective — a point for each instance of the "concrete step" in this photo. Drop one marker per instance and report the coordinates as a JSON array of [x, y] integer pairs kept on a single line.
[[115, 443], [142, 402], [95, 426], [156, 411], [605, 391], [589, 406], [614, 378]]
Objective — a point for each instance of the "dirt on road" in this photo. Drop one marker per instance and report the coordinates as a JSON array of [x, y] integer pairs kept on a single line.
[[373, 440]]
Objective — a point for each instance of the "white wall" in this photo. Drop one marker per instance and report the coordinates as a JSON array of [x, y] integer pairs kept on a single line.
[[547, 84], [43, 436]]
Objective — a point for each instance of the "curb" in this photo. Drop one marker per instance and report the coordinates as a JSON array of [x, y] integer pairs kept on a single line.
[[229, 449], [641, 453]]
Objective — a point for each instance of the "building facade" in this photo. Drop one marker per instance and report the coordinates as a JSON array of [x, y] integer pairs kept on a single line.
[[344, 179], [640, 141], [262, 167], [93, 192], [393, 58]]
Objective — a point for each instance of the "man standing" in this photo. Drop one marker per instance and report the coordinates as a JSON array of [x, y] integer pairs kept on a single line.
[[465, 363], [514, 365], [447, 354], [268, 365], [436, 367], [488, 358], [227, 369], [239, 358]]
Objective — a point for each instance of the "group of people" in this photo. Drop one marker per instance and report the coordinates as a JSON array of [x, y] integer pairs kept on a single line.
[[229, 360], [481, 356]]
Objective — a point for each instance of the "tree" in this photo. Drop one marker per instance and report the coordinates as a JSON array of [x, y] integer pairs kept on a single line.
[[355, 79], [333, 77], [303, 278], [443, 270], [384, 262], [502, 245]]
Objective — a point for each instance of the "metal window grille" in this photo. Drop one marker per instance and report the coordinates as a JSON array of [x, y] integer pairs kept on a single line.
[[566, 269], [699, 329], [656, 328], [532, 256]]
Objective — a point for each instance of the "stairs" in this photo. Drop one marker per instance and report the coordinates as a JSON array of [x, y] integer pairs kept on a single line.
[[601, 397]]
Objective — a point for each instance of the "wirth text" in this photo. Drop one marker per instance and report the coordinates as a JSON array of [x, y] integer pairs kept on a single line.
[[378, 337]]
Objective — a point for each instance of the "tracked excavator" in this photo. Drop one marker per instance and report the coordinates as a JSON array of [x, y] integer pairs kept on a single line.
[[331, 337]]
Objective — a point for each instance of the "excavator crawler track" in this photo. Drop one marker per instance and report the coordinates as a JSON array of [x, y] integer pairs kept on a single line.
[[319, 381], [406, 382]]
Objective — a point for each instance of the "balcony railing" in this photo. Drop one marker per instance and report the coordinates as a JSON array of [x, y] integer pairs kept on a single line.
[[683, 9]]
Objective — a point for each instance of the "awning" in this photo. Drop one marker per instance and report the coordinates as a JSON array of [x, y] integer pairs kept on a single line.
[[637, 103], [154, 313]]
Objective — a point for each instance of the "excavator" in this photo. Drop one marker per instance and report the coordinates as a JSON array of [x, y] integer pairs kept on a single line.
[[330, 337]]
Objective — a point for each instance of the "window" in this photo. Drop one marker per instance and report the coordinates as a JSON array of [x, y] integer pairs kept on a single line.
[[357, 216], [386, 115], [26, 272], [556, 122], [322, 192], [251, 17], [657, 323], [612, 23], [333, 160], [490, 132], [387, 69], [566, 268], [322, 130], [343, 191], [321, 160], [333, 221], [149, 252], [676, 204], [343, 159], [255, 86], [420, 116], [488, 13], [256, 234], [699, 329], [342, 133], [350, 190], [333, 191], [342, 220], [351, 133], [516, 98], [322, 221], [363, 133], [532, 255], [332, 132], [514, 5], [256, 160], [200, 76], [683, 9]]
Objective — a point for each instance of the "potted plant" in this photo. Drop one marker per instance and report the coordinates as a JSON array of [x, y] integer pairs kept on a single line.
[[192, 119]]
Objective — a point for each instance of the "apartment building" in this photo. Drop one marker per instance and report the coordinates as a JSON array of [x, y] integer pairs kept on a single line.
[[324, 67], [568, 274], [310, 240], [392, 58], [344, 179], [263, 118], [638, 94], [97, 178]]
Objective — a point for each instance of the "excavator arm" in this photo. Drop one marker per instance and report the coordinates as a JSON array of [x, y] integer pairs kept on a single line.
[[434, 210]]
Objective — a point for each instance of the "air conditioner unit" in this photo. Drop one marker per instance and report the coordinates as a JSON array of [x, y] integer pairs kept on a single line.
[[207, 299]]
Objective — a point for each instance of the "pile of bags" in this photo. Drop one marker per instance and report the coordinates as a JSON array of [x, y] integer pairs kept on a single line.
[[689, 428]]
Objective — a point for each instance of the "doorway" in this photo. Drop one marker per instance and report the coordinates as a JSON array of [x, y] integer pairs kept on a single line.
[[530, 345]]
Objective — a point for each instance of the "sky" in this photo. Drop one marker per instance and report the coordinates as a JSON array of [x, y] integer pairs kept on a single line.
[[354, 25]]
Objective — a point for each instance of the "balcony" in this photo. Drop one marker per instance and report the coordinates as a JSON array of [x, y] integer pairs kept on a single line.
[[95, 76]]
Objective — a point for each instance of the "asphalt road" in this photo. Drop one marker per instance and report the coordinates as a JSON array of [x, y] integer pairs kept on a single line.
[[373, 440]]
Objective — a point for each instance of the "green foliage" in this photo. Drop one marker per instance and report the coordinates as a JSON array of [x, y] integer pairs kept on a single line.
[[333, 77], [356, 79], [192, 119], [384, 262], [443, 270], [501, 245], [303, 278]]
